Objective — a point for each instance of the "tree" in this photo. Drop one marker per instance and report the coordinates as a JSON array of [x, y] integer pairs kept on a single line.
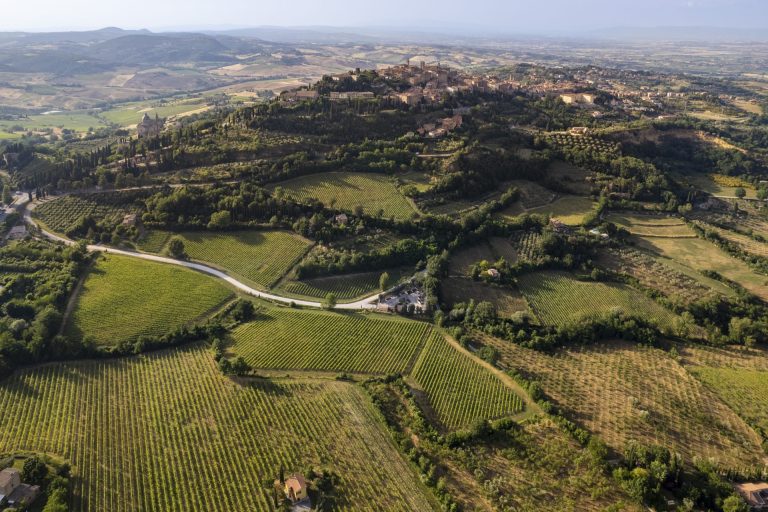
[[740, 192], [330, 301], [7, 196], [384, 281], [734, 503], [34, 471], [176, 248], [220, 220]]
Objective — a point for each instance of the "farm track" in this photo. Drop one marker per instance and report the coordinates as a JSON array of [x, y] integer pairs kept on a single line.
[[365, 303]]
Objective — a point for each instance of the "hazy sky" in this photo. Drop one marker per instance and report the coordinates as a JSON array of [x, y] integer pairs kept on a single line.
[[499, 15]]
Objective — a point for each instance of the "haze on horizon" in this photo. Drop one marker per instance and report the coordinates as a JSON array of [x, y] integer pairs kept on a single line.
[[497, 16]]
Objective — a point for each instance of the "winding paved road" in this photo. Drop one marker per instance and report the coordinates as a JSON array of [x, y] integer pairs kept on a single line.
[[22, 205]]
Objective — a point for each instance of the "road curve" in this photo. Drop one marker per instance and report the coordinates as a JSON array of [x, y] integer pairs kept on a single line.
[[366, 303]]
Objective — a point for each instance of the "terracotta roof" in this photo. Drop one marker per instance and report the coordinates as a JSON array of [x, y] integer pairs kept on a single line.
[[296, 482]]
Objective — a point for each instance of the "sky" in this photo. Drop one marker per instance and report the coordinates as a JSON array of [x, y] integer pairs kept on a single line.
[[499, 16]]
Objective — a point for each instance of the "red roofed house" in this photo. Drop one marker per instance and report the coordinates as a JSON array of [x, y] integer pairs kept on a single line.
[[295, 488]]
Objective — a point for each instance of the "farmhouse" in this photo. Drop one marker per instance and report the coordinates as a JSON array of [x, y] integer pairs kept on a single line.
[[578, 99], [149, 127], [341, 218], [10, 479], [13, 492], [578, 130], [129, 220], [296, 96], [295, 489], [755, 494]]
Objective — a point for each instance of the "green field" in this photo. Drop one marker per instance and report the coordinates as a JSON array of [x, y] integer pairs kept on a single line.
[[571, 210], [167, 431], [131, 113], [78, 120], [346, 190], [345, 287], [652, 225], [699, 254], [558, 299], [329, 341], [261, 257], [459, 389], [123, 298]]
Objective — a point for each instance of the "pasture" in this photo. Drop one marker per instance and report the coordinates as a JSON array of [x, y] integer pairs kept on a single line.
[[260, 257], [622, 392], [459, 389], [123, 298], [652, 225], [167, 431], [290, 339], [699, 255], [346, 190], [558, 298], [570, 210], [129, 114]]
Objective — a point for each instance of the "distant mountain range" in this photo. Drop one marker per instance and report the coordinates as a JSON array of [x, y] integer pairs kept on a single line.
[[100, 50]]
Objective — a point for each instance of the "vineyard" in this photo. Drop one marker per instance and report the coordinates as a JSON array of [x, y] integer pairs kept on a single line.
[[317, 340], [345, 287], [63, 214], [123, 298], [621, 391], [559, 299], [459, 389], [169, 432], [262, 257], [745, 391], [345, 191], [527, 245]]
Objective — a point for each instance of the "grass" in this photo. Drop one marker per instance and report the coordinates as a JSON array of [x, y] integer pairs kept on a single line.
[[700, 255], [346, 190], [329, 341], [558, 298], [652, 225], [570, 210], [123, 298], [261, 257], [131, 113], [623, 392], [167, 431], [345, 287], [711, 184], [459, 389], [78, 121]]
